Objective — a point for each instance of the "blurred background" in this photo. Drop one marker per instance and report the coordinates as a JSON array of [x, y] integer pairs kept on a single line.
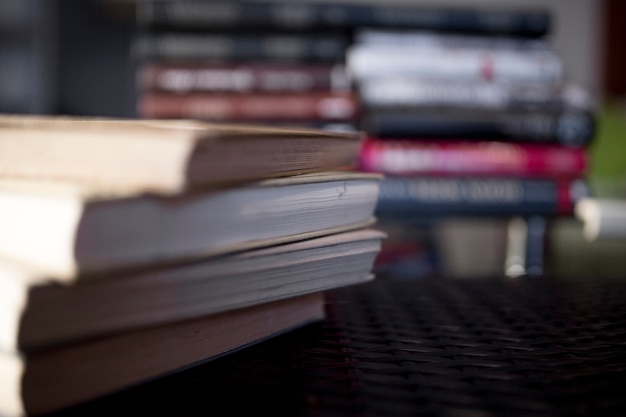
[[99, 58]]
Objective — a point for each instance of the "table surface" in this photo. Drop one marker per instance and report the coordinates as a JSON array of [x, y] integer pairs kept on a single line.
[[428, 347]]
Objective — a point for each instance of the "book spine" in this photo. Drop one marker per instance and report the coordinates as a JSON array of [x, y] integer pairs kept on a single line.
[[305, 15], [420, 93], [217, 47], [178, 78], [571, 127], [414, 157], [421, 41], [332, 106], [404, 197], [456, 65]]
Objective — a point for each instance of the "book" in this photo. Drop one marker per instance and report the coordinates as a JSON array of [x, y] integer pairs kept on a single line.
[[570, 127], [55, 379], [164, 156], [419, 40], [241, 77], [233, 47], [602, 218], [37, 312], [411, 198], [65, 229], [324, 15], [259, 107], [459, 64], [461, 157], [415, 92]]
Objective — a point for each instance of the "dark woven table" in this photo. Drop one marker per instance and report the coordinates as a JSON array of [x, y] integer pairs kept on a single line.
[[429, 347]]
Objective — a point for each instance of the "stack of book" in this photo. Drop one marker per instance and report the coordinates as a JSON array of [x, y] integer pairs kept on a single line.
[[131, 249], [249, 61], [472, 125]]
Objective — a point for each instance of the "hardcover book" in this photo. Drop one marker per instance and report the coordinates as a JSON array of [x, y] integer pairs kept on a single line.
[[201, 14], [412, 198], [570, 127], [462, 157], [259, 107], [241, 78]]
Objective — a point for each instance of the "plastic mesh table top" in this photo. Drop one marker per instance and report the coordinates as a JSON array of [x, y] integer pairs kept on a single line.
[[429, 347]]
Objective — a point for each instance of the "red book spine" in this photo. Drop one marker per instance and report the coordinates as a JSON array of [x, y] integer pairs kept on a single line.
[[412, 157], [257, 107], [212, 77]]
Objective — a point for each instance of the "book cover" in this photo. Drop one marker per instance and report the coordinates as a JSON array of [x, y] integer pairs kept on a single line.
[[230, 47], [414, 197], [325, 105], [429, 157], [323, 15], [571, 127], [416, 92], [242, 78], [467, 64]]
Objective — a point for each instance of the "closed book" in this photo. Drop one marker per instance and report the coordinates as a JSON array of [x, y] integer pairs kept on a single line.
[[571, 127], [454, 64], [243, 78], [416, 92], [311, 15], [54, 379], [227, 47], [418, 197], [38, 312], [325, 105], [164, 156], [454, 158], [65, 229]]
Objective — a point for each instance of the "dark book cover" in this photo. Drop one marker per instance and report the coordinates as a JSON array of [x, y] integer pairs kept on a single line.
[[414, 197], [571, 127], [309, 15]]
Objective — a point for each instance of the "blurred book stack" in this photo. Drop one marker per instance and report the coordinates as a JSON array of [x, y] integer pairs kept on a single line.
[[481, 124], [269, 62], [131, 249]]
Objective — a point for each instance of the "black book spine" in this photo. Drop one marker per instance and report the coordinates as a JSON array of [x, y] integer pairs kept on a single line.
[[220, 47], [237, 14], [415, 197], [572, 127]]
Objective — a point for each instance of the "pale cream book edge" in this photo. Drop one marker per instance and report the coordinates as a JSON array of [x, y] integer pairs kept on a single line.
[[67, 230], [36, 315], [32, 385], [163, 156]]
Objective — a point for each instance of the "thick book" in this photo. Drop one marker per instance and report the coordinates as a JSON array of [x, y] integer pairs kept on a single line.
[[164, 156], [428, 157], [231, 47], [454, 64], [202, 14], [66, 230], [37, 312], [570, 127], [55, 379], [412, 198], [241, 78], [258, 107], [416, 92]]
